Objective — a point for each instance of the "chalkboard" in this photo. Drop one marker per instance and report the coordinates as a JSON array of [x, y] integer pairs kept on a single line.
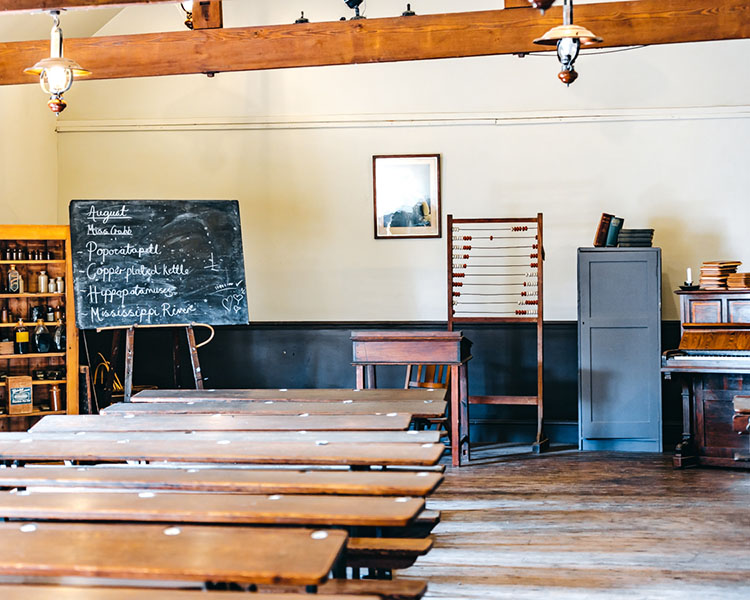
[[157, 262]]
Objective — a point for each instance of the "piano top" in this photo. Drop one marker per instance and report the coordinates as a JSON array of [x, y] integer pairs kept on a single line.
[[710, 348]]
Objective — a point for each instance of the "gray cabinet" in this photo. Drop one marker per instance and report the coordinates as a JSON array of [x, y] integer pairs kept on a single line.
[[619, 349]]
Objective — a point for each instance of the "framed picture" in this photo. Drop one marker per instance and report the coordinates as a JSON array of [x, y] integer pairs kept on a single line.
[[406, 194]]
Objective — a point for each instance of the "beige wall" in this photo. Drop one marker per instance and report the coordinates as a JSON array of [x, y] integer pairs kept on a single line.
[[28, 157], [656, 135]]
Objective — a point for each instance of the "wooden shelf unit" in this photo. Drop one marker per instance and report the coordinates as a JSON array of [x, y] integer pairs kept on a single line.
[[56, 240], [495, 275]]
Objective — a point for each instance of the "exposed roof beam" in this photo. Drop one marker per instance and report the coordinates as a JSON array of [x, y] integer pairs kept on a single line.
[[37, 5], [382, 40]]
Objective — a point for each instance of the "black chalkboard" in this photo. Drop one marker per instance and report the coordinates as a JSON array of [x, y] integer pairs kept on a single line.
[[157, 262]]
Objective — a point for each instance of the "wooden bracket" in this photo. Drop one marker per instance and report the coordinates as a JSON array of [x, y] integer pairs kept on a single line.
[[207, 14]]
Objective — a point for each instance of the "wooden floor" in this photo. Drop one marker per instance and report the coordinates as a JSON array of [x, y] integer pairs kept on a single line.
[[589, 525]]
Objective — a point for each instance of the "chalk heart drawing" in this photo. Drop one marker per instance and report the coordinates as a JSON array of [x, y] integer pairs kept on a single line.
[[232, 303]]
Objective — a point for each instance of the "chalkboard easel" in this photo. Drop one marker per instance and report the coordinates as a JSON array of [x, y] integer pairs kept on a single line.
[[130, 353]]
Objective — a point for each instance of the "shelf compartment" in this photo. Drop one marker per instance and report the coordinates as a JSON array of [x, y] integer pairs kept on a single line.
[[34, 295], [31, 324], [36, 413], [31, 355], [53, 261]]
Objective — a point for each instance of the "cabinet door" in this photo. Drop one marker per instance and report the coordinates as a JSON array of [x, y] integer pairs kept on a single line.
[[620, 347]]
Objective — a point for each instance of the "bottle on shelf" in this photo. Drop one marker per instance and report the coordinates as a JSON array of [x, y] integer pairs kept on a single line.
[[14, 280], [42, 338], [21, 339], [59, 285], [51, 287], [36, 313], [4, 316], [59, 338], [43, 281], [50, 314], [54, 398]]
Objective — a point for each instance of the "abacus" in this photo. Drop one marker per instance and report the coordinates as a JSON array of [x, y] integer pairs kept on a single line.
[[495, 269]]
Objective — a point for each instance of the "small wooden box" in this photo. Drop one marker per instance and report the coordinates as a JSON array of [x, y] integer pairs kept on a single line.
[[6, 347], [20, 395]]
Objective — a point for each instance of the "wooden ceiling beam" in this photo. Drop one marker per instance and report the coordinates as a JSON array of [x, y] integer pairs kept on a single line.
[[40, 5], [641, 22]]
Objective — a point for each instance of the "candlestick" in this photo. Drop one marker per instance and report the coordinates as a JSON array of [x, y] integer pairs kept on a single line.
[[689, 278]]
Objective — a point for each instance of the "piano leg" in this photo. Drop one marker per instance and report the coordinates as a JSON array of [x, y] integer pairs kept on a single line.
[[684, 453]]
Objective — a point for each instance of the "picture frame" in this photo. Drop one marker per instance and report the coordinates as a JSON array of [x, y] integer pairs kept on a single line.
[[406, 196]]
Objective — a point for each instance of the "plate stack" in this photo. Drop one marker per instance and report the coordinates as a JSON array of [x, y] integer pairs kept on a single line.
[[738, 281], [715, 274], [635, 238]]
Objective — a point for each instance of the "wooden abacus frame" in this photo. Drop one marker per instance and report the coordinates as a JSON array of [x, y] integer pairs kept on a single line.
[[460, 255]]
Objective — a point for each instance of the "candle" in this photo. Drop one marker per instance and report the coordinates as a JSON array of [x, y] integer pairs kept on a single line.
[[689, 278]]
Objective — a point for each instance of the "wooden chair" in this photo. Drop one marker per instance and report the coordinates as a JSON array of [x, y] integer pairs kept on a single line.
[[428, 376], [435, 377]]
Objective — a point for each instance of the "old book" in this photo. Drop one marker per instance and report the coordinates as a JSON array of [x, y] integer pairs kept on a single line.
[[615, 225], [600, 239]]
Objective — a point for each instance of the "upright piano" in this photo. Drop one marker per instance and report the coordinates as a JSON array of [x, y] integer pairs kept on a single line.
[[712, 365]]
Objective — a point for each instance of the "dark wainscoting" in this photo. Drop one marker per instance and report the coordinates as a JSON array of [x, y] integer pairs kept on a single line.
[[318, 355]]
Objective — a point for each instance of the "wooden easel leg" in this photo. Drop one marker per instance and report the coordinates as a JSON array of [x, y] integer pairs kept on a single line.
[[195, 363], [176, 365], [113, 355], [128, 383], [542, 442]]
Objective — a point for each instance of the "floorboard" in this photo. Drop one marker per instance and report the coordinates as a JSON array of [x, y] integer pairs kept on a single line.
[[573, 525]]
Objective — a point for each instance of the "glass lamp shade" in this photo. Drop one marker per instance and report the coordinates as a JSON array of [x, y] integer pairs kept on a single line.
[[560, 32], [56, 73]]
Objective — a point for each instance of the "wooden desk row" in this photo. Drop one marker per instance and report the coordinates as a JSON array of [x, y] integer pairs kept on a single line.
[[220, 523]]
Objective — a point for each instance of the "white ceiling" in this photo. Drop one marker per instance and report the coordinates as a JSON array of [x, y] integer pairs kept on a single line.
[[16, 27]]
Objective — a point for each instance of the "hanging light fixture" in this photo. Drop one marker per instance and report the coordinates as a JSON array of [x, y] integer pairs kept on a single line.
[[187, 8], [568, 38], [542, 4], [56, 73]]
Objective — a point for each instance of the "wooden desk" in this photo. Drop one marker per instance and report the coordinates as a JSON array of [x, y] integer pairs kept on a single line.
[[238, 509], [243, 481], [57, 592], [425, 409], [351, 437], [146, 422], [292, 453], [148, 552], [372, 348], [284, 395]]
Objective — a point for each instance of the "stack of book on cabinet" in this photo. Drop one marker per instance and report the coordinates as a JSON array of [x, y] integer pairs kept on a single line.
[[738, 281], [715, 274], [636, 238]]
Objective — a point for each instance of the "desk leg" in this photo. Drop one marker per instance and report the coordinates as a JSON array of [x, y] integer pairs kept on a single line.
[[371, 381], [359, 371], [459, 415]]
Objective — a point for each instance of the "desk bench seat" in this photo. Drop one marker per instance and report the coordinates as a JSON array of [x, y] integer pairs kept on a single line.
[[192, 422], [33, 449], [248, 555], [394, 589], [289, 395], [350, 437], [244, 481], [385, 553], [175, 507], [423, 409], [57, 592]]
